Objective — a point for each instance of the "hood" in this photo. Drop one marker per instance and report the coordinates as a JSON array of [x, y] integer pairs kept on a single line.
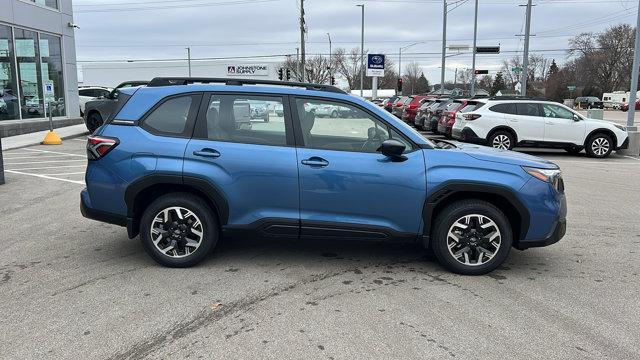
[[600, 121], [487, 153]]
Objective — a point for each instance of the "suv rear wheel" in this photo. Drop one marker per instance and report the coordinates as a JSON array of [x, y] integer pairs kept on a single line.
[[178, 230], [471, 237], [502, 139], [599, 145]]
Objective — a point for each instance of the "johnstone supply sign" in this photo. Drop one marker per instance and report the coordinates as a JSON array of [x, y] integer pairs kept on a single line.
[[375, 65], [248, 70]]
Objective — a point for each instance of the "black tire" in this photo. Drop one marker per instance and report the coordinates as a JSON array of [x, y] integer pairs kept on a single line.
[[266, 118], [452, 213], [94, 121], [210, 228], [573, 150], [599, 145], [501, 139], [334, 114]]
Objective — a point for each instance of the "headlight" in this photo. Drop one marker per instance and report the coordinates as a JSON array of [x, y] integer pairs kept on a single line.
[[551, 176], [620, 127], [546, 175]]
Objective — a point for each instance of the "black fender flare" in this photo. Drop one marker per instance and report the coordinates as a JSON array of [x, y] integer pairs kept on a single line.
[[449, 188], [211, 191]]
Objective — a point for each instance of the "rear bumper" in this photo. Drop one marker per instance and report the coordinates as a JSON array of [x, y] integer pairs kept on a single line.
[[99, 215], [466, 134]]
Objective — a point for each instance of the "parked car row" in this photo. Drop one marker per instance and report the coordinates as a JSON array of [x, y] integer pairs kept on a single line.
[[506, 122]]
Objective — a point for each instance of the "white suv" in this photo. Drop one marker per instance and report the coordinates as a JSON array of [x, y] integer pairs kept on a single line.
[[506, 122]]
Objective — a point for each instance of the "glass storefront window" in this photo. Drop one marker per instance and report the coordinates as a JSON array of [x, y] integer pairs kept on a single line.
[[29, 76], [9, 105], [51, 63], [48, 3]]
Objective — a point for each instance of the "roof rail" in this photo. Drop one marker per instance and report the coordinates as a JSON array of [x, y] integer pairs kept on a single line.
[[169, 81], [519, 98]]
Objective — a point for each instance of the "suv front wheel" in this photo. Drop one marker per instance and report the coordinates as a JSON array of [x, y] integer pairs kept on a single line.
[[599, 145], [471, 237], [178, 230]]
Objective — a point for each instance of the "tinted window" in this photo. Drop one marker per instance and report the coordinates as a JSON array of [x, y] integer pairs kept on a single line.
[[86, 92], [471, 106], [555, 111], [246, 119], [170, 117], [352, 130], [528, 109], [508, 108]]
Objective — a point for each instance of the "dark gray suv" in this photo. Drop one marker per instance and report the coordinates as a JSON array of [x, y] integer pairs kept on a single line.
[[98, 110]]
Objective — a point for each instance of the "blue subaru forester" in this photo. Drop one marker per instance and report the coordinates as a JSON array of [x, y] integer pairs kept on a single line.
[[183, 162]]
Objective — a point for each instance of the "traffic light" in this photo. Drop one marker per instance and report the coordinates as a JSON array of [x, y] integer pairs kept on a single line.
[[333, 80], [399, 85], [280, 74], [288, 74], [482, 72]]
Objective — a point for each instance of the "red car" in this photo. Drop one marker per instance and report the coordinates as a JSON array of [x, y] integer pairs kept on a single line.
[[410, 110], [448, 117], [625, 106]]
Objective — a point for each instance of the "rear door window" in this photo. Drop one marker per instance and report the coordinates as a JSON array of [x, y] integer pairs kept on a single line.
[[528, 109]]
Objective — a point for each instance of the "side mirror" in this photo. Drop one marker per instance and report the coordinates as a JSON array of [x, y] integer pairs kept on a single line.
[[392, 148], [576, 117]]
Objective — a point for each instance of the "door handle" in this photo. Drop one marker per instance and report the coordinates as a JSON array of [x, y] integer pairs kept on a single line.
[[549, 123], [207, 152], [315, 161], [513, 120]]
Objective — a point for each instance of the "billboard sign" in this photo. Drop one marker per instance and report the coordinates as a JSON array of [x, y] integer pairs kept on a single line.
[[248, 70], [375, 65]]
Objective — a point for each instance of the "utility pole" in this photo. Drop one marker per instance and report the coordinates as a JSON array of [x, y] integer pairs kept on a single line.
[[525, 60], [329, 66], [362, 54], [302, 31], [473, 62], [189, 59], [634, 80], [298, 63], [444, 45]]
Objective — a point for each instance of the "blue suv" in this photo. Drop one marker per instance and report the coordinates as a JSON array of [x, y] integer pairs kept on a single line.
[[182, 163]]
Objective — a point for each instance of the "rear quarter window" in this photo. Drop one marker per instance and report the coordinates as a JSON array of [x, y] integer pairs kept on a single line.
[[172, 116], [508, 108]]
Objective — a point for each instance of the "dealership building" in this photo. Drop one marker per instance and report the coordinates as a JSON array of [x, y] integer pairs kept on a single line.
[[110, 74], [37, 65]]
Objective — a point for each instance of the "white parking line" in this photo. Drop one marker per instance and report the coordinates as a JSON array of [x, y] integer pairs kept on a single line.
[[42, 162], [631, 157], [57, 152], [35, 156], [64, 174], [78, 139], [50, 167], [45, 177]]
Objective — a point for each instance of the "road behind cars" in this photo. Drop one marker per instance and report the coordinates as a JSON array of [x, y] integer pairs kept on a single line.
[[75, 288]]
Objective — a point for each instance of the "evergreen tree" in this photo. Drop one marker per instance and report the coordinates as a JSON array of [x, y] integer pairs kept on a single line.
[[422, 85], [498, 84]]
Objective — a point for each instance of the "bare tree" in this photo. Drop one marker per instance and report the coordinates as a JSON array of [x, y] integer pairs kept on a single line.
[[413, 71], [318, 70]]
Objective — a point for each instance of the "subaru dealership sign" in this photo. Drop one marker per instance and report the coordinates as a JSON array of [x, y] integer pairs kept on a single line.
[[248, 70], [375, 65]]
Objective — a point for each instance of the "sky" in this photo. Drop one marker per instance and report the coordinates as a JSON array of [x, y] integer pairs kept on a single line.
[[269, 29]]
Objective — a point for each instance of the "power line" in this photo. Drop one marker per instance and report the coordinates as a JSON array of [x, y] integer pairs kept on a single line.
[[163, 7]]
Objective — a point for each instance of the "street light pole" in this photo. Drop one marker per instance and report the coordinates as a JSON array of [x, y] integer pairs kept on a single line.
[[329, 66], [189, 59], [473, 66], [525, 60], [634, 80], [444, 45], [362, 54]]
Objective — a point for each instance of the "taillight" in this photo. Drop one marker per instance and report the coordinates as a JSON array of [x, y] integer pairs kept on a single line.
[[99, 146], [470, 117]]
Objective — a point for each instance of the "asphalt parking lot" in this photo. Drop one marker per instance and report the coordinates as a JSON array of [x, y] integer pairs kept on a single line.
[[75, 288]]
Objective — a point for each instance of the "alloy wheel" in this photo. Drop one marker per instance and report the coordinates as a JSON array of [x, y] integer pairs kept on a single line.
[[474, 239], [176, 232], [600, 146], [501, 142]]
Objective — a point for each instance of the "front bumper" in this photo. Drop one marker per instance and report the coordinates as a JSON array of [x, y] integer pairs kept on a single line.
[[553, 213], [625, 144]]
